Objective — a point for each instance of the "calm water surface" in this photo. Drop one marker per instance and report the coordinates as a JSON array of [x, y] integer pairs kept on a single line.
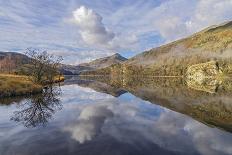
[[87, 118]]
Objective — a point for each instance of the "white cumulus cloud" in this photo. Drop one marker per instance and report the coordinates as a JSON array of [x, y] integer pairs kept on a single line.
[[92, 29]]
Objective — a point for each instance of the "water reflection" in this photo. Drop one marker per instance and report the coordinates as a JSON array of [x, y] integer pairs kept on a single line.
[[89, 123], [38, 109], [150, 117], [129, 125], [213, 109], [95, 85]]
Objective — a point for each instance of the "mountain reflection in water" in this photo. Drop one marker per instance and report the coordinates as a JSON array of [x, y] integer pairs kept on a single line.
[[213, 109], [119, 116]]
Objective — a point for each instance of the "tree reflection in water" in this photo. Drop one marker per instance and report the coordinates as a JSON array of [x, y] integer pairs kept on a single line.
[[38, 110]]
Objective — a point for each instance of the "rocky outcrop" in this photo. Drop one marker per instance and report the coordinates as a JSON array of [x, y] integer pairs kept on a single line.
[[203, 70], [204, 76]]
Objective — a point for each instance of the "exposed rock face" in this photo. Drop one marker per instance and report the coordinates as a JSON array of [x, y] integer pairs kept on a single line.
[[203, 76], [203, 70]]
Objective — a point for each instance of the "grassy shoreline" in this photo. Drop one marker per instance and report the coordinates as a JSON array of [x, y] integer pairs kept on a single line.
[[19, 85]]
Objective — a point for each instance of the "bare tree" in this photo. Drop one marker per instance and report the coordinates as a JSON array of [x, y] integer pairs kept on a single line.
[[43, 66], [7, 64], [10, 63]]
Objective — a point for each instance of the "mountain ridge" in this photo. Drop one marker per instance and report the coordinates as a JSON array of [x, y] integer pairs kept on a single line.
[[94, 65], [173, 59]]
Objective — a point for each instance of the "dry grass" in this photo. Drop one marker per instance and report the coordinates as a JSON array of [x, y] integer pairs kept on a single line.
[[15, 85], [212, 43]]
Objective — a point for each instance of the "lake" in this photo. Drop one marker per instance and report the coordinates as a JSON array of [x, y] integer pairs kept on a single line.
[[118, 117]]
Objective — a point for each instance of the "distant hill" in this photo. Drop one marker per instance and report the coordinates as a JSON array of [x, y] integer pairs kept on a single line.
[[173, 59], [93, 65], [11, 61]]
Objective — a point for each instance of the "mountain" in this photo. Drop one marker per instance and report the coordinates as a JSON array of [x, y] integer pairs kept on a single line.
[[93, 65], [10, 61], [173, 59], [105, 62]]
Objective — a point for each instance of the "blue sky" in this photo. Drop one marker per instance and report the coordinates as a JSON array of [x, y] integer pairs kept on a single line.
[[83, 30]]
